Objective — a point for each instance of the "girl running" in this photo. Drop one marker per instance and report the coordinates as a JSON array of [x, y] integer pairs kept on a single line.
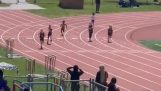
[[63, 27], [41, 36], [90, 30], [110, 32], [49, 34]]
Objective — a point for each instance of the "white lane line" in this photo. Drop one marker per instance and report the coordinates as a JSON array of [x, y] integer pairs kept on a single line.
[[29, 38], [74, 38]]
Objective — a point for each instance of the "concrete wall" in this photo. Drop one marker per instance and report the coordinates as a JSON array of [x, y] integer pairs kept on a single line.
[[13, 1]]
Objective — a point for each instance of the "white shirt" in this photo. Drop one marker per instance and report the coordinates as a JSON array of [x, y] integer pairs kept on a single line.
[[92, 17]]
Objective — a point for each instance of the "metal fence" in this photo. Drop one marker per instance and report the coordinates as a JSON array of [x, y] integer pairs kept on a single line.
[[54, 84]]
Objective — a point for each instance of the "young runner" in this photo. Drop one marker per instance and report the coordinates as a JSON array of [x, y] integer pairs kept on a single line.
[[90, 30], [49, 34], [63, 27], [41, 36], [110, 33], [93, 18]]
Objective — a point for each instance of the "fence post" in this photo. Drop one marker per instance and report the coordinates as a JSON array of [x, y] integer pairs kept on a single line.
[[90, 82]]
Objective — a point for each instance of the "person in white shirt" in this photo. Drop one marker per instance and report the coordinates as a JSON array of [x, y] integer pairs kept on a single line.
[[93, 18]]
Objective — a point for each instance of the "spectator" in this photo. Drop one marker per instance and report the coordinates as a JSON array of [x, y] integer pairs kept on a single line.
[[101, 78], [75, 73], [4, 86], [1, 73], [97, 2], [2, 82], [112, 85]]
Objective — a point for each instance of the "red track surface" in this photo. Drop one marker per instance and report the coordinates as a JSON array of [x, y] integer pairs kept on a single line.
[[135, 67]]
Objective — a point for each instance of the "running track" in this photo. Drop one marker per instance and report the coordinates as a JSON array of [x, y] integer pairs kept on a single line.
[[136, 68]]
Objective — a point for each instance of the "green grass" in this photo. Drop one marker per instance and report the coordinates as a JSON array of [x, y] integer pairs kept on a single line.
[[20, 63], [107, 6], [4, 5], [152, 44]]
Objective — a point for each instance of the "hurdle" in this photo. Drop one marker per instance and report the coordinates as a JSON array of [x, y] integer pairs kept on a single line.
[[50, 63], [30, 69], [9, 47]]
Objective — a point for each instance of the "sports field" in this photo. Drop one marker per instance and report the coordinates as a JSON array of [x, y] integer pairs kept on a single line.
[[136, 67]]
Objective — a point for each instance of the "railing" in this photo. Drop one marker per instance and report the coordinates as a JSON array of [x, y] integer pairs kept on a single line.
[[54, 83], [32, 86], [84, 85]]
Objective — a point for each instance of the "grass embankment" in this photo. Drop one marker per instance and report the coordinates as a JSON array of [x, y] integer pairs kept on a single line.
[[107, 6], [20, 63]]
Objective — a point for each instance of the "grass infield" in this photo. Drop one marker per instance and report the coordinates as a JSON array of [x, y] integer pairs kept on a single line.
[[152, 44], [107, 6]]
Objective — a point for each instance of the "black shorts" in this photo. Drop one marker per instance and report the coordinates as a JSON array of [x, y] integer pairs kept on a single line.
[[110, 36], [49, 34], [62, 29], [42, 39], [92, 21]]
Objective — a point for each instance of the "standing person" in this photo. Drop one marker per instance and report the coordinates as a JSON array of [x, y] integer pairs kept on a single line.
[[93, 18], [63, 27], [112, 85], [1, 73], [75, 73], [41, 36], [2, 81], [110, 32], [97, 2], [101, 78], [49, 34], [90, 30]]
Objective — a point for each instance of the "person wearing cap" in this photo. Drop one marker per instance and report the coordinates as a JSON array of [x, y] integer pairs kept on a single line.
[[75, 73], [101, 78]]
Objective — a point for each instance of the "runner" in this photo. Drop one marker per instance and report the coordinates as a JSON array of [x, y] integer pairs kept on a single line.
[[90, 30], [63, 27], [49, 35], [93, 18], [110, 32], [41, 36]]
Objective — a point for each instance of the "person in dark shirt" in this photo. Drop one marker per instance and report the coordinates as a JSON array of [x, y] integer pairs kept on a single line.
[[97, 2], [90, 30], [110, 33], [1, 73], [101, 78], [49, 34], [2, 82], [75, 73], [41, 36], [63, 27], [112, 85]]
